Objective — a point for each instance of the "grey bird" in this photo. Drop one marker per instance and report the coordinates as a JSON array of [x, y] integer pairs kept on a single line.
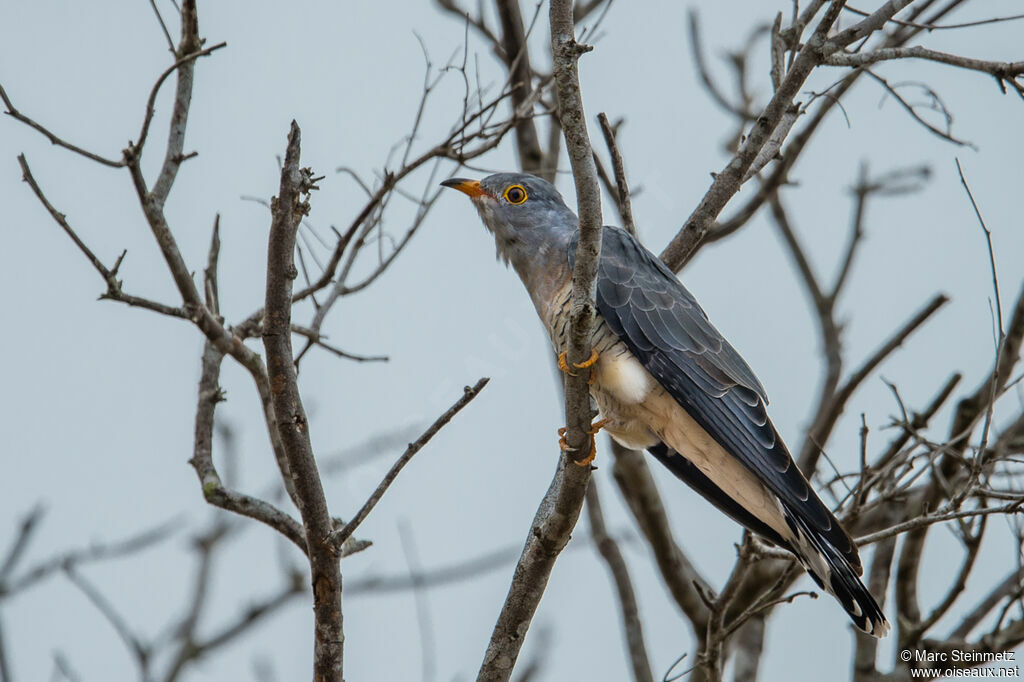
[[665, 380]]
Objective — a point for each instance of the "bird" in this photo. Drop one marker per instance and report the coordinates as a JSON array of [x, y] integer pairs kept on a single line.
[[665, 380]]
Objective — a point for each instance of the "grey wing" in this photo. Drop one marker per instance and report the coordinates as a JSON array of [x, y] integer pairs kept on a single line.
[[647, 307]]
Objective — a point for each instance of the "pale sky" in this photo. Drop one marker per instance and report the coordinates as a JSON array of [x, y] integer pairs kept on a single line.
[[99, 399]]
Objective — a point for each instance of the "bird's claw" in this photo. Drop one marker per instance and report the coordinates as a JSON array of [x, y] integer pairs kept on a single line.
[[594, 429], [589, 362], [563, 363]]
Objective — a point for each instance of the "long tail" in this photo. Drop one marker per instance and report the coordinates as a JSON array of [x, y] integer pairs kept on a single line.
[[826, 565], [833, 573]]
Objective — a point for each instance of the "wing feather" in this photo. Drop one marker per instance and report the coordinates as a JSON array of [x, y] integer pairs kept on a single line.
[[662, 324]]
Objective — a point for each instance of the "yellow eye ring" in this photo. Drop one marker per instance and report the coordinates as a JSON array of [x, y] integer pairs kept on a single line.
[[515, 195]]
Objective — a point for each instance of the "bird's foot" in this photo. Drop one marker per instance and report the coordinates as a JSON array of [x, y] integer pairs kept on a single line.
[[594, 429], [563, 363]]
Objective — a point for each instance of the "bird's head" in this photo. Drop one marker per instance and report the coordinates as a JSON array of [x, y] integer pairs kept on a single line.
[[526, 214]]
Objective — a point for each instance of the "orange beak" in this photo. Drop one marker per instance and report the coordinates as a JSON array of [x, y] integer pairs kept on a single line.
[[470, 188]]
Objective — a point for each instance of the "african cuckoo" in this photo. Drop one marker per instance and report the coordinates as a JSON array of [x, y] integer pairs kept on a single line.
[[666, 381]]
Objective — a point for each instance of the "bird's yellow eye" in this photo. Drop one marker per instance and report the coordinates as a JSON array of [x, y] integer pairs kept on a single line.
[[515, 194]]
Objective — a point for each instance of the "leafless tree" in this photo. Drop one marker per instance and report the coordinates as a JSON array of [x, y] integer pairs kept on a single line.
[[891, 501], [909, 486]]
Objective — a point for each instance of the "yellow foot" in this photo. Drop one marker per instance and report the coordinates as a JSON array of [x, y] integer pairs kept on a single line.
[[563, 364], [589, 362], [594, 429]]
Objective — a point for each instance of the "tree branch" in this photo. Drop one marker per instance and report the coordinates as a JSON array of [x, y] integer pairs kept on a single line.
[[1004, 72], [190, 43], [17, 115], [289, 207], [618, 168], [684, 583], [827, 417], [517, 59], [560, 507], [339, 536], [727, 182], [215, 492], [114, 290], [628, 608]]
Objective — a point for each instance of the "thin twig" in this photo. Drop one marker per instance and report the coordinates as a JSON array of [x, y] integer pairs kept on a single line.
[[684, 582], [628, 608], [114, 290], [622, 197], [163, 26], [727, 182], [931, 519], [819, 433], [141, 651], [147, 118], [1004, 72], [26, 528], [93, 553], [53, 138], [942, 27], [339, 536]]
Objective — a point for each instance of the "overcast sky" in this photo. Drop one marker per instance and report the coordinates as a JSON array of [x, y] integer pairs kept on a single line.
[[99, 399]]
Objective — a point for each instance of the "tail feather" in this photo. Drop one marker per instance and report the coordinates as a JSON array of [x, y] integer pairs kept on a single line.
[[834, 570], [833, 573]]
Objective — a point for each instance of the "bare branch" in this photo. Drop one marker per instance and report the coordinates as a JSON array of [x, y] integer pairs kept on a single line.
[[1004, 72], [712, 654], [338, 537], [936, 105], [972, 544], [637, 486], [163, 26], [969, 409], [628, 608], [820, 431], [938, 517], [17, 115], [1012, 585], [252, 615], [1000, 335], [87, 555], [476, 22], [918, 421], [5, 668], [727, 182], [622, 196], [289, 207], [141, 651], [215, 492], [517, 59], [428, 646], [709, 82], [114, 291], [456, 572], [566, 52], [452, 147], [866, 647], [186, 59], [748, 646], [26, 528], [190, 43], [943, 27], [560, 507], [549, 533]]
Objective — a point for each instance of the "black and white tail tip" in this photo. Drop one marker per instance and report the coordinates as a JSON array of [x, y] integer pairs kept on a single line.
[[834, 574]]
